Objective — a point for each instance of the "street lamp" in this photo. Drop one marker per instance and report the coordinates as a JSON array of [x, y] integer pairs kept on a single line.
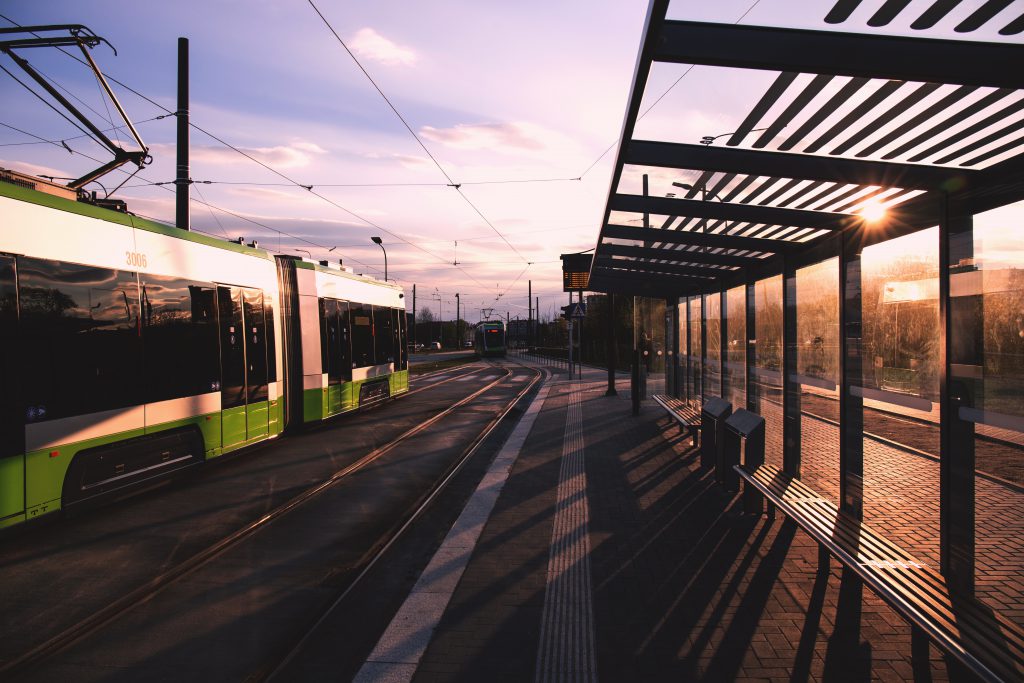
[[705, 194], [379, 242]]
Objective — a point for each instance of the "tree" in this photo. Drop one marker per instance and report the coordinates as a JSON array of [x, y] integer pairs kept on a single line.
[[425, 315]]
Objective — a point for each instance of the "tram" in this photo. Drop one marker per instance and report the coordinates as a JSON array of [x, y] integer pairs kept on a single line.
[[133, 349], [489, 339]]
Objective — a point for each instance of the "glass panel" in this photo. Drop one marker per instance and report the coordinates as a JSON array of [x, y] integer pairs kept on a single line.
[[255, 345], [179, 333], [331, 350], [682, 358], [362, 335], [900, 388], [713, 340], [268, 316], [736, 353], [768, 370], [344, 341], [79, 328], [383, 334], [696, 350], [990, 291], [12, 421], [817, 337], [232, 348], [402, 338]]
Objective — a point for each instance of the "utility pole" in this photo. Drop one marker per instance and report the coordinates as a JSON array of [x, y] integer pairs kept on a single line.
[[458, 337], [529, 308], [182, 180], [414, 316]]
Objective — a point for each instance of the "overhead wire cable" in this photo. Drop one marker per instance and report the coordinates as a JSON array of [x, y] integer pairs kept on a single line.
[[411, 131], [660, 98]]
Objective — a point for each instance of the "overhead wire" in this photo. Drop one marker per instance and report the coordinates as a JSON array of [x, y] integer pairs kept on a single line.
[[412, 132], [237, 150]]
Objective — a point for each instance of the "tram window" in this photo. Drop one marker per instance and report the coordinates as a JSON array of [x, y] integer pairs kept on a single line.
[[232, 349], [324, 335], [80, 338], [345, 342], [255, 345], [361, 316], [329, 344], [179, 336], [400, 338], [383, 334], [268, 316], [11, 420]]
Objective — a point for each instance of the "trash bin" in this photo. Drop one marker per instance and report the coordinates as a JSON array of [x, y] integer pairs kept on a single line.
[[712, 423], [744, 432]]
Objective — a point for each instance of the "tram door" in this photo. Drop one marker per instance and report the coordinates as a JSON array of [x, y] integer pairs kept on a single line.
[[243, 361], [12, 422]]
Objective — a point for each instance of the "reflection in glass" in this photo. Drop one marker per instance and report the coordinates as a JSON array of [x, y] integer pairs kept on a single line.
[[817, 339], [768, 371], [696, 359], [987, 374], [80, 339], [179, 331], [735, 359], [713, 320], [899, 384]]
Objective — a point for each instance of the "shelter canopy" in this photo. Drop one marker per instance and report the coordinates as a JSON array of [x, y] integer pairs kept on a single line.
[[744, 145]]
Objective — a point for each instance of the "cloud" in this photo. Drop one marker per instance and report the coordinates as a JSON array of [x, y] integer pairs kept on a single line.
[[296, 155], [411, 161], [371, 45], [490, 136], [32, 169]]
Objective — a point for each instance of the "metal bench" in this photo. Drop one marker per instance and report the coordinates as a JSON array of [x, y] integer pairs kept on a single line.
[[686, 413], [984, 642]]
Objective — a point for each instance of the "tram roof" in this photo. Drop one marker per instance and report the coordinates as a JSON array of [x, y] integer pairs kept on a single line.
[[806, 126]]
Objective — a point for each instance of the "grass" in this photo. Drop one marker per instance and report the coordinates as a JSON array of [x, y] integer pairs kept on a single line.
[[431, 366]]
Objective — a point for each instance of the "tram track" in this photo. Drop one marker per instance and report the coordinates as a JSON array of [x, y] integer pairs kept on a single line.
[[168, 577], [274, 669]]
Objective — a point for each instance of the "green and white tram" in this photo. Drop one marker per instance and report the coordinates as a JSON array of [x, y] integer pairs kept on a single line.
[[490, 338], [132, 349]]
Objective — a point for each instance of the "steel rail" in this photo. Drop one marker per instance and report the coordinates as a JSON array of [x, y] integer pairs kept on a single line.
[[424, 503], [150, 589]]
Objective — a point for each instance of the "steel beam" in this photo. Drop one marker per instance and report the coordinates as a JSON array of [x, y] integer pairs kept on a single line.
[[699, 257], [800, 166], [841, 54], [698, 276], [751, 213], [700, 239]]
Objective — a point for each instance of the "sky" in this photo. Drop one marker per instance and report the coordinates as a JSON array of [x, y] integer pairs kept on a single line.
[[520, 104]]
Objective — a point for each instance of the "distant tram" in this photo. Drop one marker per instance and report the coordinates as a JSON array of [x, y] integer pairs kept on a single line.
[[490, 338]]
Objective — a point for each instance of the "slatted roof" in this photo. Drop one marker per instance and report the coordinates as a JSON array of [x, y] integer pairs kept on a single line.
[[829, 123]]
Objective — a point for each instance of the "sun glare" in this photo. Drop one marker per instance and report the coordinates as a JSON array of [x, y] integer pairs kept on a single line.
[[872, 211]]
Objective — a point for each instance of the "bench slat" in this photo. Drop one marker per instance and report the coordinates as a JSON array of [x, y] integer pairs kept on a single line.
[[989, 644]]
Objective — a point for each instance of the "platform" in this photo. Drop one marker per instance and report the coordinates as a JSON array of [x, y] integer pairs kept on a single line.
[[609, 554]]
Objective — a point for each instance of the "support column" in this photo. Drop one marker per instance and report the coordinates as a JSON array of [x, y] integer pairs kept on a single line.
[[961, 387], [704, 346], [611, 345], [723, 345], [851, 375], [790, 384], [753, 388], [182, 218]]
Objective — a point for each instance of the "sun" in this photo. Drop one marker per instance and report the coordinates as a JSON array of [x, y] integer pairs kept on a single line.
[[872, 211]]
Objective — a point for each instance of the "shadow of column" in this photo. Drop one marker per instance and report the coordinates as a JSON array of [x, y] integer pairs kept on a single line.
[[846, 657]]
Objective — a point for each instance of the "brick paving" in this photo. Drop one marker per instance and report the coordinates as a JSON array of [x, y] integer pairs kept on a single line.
[[685, 587], [901, 499]]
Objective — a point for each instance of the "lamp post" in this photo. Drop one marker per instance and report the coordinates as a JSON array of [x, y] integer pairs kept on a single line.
[[379, 242]]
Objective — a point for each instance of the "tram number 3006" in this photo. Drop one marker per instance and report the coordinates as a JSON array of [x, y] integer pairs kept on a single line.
[[135, 258]]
